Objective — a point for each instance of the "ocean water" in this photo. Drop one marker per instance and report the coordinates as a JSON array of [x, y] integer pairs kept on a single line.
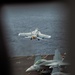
[[50, 19]]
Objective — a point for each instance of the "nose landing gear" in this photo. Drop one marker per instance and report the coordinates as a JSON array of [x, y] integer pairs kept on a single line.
[[30, 38], [38, 39]]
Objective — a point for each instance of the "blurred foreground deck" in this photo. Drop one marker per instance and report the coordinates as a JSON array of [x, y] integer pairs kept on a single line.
[[21, 63]]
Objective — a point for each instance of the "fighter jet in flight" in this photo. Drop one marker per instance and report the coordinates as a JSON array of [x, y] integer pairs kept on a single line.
[[57, 61], [36, 34]]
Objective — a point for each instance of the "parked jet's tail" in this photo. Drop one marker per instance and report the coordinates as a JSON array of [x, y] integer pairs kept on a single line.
[[37, 57], [57, 55]]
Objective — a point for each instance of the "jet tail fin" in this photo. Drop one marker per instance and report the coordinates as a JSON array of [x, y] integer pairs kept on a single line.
[[37, 57], [57, 55]]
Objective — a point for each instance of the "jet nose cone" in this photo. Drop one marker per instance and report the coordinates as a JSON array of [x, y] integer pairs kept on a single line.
[[28, 70]]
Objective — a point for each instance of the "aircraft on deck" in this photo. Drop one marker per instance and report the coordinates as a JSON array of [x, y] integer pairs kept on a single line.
[[57, 61], [36, 34], [56, 71]]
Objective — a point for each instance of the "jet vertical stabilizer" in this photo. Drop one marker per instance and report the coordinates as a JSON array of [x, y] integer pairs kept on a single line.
[[57, 55]]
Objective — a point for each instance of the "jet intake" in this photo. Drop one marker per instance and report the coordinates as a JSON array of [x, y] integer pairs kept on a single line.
[[33, 37]]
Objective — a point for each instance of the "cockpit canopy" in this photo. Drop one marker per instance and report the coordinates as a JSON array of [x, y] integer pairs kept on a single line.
[[40, 61]]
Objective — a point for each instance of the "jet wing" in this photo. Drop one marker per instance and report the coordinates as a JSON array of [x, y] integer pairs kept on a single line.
[[25, 34], [52, 65], [56, 64], [43, 35], [62, 63]]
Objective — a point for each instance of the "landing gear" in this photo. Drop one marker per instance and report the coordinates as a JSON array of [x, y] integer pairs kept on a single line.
[[45, 70], [38, 39], [30, 38]]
